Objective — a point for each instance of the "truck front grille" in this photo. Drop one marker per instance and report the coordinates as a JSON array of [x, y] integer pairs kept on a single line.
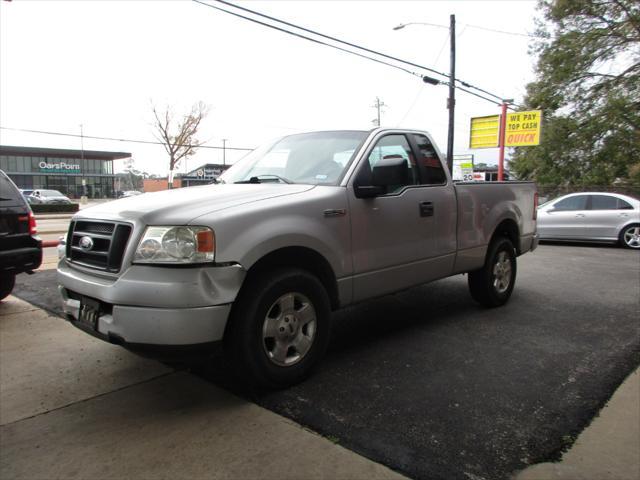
[[97, 244]]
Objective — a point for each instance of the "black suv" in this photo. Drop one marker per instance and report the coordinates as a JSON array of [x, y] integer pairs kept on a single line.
[[20, 248]]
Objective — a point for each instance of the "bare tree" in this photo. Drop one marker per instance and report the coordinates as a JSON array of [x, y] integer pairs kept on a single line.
[[178, 136]]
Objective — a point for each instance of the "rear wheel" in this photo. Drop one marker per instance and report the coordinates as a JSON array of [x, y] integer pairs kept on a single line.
[[7, 282], [279, 328], [491, 286], [630, 236]]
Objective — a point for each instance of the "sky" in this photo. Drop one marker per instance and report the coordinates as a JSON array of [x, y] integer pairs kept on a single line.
[[104, 64]]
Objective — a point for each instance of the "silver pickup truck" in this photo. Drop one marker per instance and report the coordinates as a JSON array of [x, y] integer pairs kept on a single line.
[[305, 225]]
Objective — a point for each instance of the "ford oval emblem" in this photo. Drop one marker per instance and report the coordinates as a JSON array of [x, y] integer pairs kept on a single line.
[[86, 243]]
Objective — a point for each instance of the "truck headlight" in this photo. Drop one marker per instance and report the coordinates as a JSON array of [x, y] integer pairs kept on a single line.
[[176, 245]]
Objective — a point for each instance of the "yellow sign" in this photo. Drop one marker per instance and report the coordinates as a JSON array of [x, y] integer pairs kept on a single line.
[[484, 132], [523, 128]]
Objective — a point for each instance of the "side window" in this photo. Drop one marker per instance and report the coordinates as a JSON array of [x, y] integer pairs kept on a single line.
[[428, 158], [603, 202], [622, 205], [9, 194], [395, 146], [579, 202]]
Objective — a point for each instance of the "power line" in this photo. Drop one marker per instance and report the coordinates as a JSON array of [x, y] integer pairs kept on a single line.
[[127, 140], [308, 30], [472, 26], [307, 38], [253, 12], [504, 32]]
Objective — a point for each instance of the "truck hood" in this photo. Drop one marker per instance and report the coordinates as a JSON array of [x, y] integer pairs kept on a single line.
[[181, 205]]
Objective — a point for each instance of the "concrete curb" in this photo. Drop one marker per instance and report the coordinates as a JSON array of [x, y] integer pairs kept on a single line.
[[54, 217]]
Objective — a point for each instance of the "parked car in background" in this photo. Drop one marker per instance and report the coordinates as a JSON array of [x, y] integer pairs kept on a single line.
[[20, 248], [591, 216], [47, 197], [25, 193], [130, 193]]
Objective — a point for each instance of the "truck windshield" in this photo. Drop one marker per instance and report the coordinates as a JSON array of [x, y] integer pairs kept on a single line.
[[318, 158]]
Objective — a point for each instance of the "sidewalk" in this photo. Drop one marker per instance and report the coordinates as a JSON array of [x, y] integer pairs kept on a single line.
[[72, 406]]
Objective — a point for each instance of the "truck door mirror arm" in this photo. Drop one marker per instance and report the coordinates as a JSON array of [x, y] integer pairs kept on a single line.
[[368, 191]]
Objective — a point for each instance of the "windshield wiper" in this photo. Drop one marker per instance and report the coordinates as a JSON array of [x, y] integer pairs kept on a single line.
[[257, 179]]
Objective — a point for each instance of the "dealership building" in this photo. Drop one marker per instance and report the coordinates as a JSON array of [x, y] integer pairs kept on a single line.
[[61, 169], [203, 175]]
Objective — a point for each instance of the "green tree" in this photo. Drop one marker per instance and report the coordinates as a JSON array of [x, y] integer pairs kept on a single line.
[[588, 86]]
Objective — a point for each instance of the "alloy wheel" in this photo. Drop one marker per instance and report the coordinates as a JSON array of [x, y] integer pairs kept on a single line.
[[631, 237], [289, 329], [502, 272]]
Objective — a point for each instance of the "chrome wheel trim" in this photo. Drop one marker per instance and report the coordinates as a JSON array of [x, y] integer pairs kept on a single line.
[[631, 237], [502, 272], [289, 329]]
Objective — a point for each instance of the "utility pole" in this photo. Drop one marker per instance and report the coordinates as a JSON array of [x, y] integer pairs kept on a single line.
[[503, 128], [451, 102], [224, 151], [378, 106]]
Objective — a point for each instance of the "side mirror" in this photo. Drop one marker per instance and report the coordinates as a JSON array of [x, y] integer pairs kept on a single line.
[[391, 170]]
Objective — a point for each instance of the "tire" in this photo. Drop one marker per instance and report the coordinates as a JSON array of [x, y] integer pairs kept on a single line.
[[491, 286], [279, 328], [630, 236], [7, 282]]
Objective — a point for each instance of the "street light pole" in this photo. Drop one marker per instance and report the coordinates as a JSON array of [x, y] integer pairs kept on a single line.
[[451, 102]]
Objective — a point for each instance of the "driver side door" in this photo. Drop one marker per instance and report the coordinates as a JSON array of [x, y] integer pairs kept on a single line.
[[396, 236]]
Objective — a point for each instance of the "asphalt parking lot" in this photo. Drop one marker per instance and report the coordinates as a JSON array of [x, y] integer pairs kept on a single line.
[[432, 386]]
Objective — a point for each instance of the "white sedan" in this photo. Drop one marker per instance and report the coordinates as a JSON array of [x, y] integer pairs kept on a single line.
[[591, 216], [47, 197]]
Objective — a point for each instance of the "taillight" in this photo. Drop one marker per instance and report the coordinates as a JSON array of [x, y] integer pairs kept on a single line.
[[535, 205], [32, 224]]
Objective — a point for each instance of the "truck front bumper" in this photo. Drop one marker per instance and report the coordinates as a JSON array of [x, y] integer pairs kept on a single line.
[[149, 306]]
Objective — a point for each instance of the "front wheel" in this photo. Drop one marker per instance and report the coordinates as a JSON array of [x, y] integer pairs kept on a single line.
[[279, 328], [491, 286], [630, 236]]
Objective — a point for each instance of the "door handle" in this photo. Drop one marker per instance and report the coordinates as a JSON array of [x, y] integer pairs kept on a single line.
[[580, 214], [426, 209]]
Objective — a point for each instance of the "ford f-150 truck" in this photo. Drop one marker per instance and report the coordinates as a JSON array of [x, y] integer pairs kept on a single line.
[[305, 225]]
